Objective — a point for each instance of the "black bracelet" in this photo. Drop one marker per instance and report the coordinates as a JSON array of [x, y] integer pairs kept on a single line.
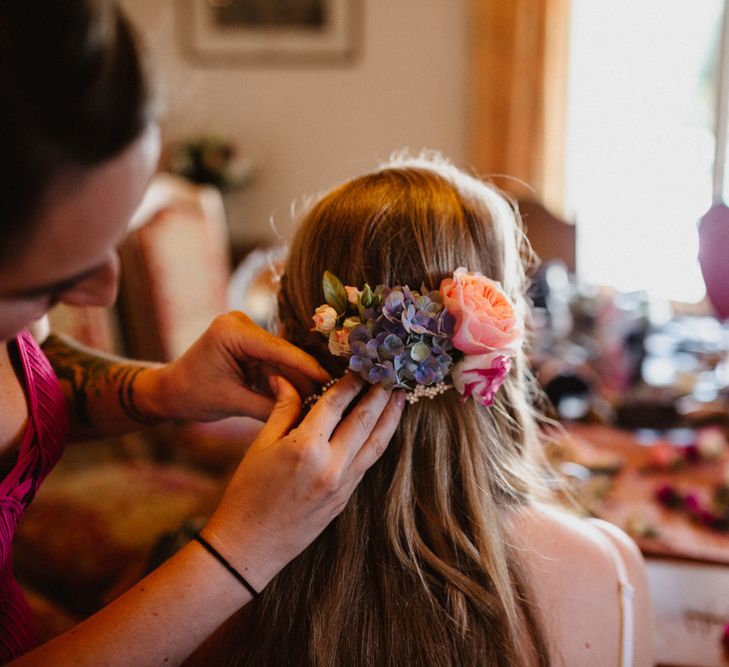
[[217, 555]]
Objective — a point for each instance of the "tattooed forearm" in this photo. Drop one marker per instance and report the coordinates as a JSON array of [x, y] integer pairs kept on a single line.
[[95, 384], [80, 374], [125, 377]]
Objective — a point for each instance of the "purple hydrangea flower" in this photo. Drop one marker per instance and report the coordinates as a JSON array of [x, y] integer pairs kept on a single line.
[[360, 364], [359, 334], [394, 328], [445, 324], [415, 321], [425, 372], [441, 345], [389, 346], [393, 305], [383, 373], [426, 303]]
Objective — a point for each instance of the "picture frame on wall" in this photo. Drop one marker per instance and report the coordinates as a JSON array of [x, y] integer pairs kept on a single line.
[[270, 31]]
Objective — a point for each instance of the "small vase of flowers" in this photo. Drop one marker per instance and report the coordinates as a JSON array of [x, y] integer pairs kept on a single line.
[[211, 159]]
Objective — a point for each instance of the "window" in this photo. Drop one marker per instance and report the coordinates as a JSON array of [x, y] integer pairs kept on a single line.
[[640, 140]]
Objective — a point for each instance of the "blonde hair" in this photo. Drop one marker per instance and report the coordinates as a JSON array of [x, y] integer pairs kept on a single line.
[[417, 569]]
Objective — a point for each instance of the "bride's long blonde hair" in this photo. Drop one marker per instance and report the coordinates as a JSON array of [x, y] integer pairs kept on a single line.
[[417, 570]]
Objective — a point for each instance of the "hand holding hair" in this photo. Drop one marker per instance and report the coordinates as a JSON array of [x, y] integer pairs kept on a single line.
[[226, 373], [294, 481]]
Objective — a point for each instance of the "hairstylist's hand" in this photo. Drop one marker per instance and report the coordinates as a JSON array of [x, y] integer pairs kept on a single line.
[[226, 372], [292, 483]]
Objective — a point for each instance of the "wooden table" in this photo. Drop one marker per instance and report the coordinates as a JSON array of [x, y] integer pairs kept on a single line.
[[687, 563]]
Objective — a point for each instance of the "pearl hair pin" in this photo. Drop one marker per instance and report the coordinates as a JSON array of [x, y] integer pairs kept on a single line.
[[420, 391], [310, 400]]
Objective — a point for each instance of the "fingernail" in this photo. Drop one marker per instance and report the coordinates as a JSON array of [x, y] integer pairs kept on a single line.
[[273, 383], [400, 398]]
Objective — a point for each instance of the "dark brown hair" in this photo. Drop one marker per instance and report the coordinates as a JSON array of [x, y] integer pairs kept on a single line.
[[74, 93], [418, 569]]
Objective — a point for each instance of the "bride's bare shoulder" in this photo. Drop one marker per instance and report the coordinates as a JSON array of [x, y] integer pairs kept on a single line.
[[548, 529], [570, 568], [553, 540]]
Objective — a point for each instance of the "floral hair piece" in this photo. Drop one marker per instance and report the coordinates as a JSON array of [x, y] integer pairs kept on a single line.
[[463, 335]]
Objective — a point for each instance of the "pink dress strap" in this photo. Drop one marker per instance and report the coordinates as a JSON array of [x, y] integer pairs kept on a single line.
[[40, 448]]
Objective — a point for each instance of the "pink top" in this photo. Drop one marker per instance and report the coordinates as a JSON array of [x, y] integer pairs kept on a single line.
[[39, 451]]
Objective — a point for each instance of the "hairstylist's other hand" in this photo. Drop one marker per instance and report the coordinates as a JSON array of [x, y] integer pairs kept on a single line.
[[292, 483], [226, 372]]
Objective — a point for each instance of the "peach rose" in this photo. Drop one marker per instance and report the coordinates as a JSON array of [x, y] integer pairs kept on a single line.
[[353, 294], [339, 343], [486, 319], [325, 319]]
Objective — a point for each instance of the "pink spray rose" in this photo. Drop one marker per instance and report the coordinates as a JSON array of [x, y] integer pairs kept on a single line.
[[481, 376], [339, 342], [486, 319], [353, 294], [325, 319]]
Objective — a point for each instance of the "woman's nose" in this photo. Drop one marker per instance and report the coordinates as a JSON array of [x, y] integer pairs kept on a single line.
[[98, 289]]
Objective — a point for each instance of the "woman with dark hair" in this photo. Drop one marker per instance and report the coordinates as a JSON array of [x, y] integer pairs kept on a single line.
[[80, 141], [447, 553]]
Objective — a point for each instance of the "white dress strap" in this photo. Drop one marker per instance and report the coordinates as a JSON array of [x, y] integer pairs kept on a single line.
[[625, 594]]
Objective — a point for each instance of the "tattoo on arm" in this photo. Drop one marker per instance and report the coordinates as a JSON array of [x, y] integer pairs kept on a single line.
[[127, 375], [89, 376]]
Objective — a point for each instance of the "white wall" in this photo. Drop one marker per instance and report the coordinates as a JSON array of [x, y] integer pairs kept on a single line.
[[312, 127]]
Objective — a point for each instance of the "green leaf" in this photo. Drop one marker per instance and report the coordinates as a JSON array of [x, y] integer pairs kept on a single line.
[[334, 293], [377, 296], [366, 298]]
